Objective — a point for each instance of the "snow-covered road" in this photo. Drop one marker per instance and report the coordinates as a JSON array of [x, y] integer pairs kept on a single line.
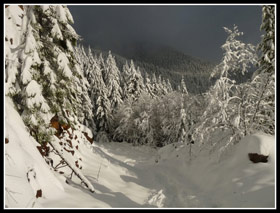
[[126, 176]]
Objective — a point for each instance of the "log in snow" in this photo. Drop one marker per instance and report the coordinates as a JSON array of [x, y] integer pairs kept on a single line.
[[67, 159]]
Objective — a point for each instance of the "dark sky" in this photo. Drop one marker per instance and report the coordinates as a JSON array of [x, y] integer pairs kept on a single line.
[[194, 30]]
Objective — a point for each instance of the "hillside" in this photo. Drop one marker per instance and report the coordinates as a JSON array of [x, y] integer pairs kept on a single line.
[[170, 64], [167, 62]]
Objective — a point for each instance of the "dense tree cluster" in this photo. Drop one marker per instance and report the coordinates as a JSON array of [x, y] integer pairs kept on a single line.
[[126, 102], [48, 74], [169, 64], [46, 83]]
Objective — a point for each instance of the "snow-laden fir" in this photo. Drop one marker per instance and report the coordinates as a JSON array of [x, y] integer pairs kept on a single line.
[[81, 132]]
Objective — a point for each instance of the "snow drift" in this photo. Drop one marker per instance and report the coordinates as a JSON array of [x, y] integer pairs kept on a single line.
[[26, 172], [231, 181]]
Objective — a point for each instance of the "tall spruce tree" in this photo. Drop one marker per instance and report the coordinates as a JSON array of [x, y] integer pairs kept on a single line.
[[183, 86], [134, 84], [49, 79], [155, 87], [262, 92], [112, 81], [99, 95], [148, 85]]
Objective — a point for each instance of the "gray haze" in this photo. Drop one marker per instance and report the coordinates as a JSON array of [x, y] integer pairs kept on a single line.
[[195, 30]]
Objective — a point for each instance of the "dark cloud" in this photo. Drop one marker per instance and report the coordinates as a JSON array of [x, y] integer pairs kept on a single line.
[[195, 30]]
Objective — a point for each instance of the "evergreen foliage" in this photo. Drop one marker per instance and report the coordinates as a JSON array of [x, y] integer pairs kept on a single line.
[[135, 101]]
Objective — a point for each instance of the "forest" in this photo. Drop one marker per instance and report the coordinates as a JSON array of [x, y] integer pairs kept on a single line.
[[66, 92]]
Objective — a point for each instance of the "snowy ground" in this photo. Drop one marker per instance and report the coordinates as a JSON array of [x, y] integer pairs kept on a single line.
[[125, 176]]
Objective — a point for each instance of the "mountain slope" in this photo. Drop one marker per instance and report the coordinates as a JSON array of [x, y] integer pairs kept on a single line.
[[167, 62]]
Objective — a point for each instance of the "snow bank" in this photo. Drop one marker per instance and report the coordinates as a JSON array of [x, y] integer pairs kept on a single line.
[[242, 183], [26, 172], [260, 143], [232, 182]]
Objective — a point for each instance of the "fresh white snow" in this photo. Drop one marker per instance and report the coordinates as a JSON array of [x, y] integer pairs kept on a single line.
[[126, 176], [22, 160]]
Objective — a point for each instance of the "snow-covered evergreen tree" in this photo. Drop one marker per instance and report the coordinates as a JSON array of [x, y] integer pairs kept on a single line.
[[54, 30], [112, 81], [169, 86], [140, 83], [125, 77], [93, 71], [101, 64], [30, 99], [160, 85], [262, 91], [98, 92], [164, 87], [49, 79], [103, 110], [267, 45], [182, 131], [183, 86], [155, 86], [148, 85], [82, 85], [83, 59], [134, 84]]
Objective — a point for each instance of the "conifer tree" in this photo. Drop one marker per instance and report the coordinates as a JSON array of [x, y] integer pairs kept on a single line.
[[49, 79], [112, 81], [125, 78], [159, 85], [98, 94], [267, 45], [183, 86], [164, 87], [134, 84], [102, 114], [169, 87], [148, 85], [33, 104], [262, 90], [55, 30], [155, 86], [50, 66], [182, 132], [101, 64]]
